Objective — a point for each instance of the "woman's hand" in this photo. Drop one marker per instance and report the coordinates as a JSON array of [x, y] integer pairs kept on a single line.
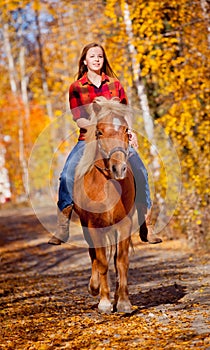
[[133, 139]]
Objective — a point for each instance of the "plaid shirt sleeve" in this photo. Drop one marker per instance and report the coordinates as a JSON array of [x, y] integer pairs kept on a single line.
[[76, 107], [122, 95]]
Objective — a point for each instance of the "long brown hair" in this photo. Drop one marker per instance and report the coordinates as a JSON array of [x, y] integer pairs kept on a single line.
[[83, 68]]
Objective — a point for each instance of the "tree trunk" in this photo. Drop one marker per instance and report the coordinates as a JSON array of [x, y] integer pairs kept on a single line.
[[147, 119], [11, 66], [148, 122], [24, 83], [14, 89], [42, 67]]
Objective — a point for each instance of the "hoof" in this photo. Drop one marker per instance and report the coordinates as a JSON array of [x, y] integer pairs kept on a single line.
[[105, 307], [124, 307]]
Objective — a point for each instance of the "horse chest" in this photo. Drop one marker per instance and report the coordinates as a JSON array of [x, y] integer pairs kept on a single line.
[[101, 190], [101, 197]]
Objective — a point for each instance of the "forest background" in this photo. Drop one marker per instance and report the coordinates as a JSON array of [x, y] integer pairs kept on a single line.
[[159, 51]]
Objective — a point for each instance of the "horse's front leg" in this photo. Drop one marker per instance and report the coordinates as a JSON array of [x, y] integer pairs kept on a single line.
[[122, 263], [102, 266], [94, 283], [99, 278]]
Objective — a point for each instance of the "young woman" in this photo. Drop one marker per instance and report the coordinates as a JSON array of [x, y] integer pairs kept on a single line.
[[96, 78]]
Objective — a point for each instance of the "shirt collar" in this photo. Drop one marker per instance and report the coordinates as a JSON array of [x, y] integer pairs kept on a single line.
[[84, 80]]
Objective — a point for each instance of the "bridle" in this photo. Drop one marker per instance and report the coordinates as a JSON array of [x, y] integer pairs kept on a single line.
[[107, 155]]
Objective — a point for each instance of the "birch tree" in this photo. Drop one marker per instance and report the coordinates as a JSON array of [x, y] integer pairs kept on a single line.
[[136, 69], [42, 65], [16, 93]]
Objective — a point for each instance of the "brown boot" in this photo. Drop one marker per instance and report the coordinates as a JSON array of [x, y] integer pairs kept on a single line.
[[62, 233], [146, 232]]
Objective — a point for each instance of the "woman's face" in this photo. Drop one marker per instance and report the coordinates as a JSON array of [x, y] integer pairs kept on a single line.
[[94, 59]]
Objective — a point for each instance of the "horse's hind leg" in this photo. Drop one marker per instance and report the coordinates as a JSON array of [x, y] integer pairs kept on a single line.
[[94, 283]]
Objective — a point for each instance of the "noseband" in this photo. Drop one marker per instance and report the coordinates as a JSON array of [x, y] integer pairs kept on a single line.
[[107, 155]]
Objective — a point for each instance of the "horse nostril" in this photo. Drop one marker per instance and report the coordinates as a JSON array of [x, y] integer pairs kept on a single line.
[[114, 169], [124, 168]]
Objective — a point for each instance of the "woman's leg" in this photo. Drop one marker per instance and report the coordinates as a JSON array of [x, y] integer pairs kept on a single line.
[[143, 201], [141, 178], [65, 192], [65, 195]]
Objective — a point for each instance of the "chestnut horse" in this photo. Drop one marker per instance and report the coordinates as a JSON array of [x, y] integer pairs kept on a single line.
[[104, 194]]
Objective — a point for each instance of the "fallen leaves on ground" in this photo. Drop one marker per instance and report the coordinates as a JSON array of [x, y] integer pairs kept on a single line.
[[45, 303]]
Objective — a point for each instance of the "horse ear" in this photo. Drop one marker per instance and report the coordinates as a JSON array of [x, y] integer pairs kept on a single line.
[[96, 107]]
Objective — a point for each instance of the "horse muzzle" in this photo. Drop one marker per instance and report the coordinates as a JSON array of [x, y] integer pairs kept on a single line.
[[117, 161], [117, 168]]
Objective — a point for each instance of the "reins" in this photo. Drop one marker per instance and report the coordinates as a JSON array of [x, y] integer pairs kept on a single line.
[[104, 171]]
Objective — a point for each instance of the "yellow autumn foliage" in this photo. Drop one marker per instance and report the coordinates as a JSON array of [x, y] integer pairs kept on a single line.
[[171, 48], [171, 39]]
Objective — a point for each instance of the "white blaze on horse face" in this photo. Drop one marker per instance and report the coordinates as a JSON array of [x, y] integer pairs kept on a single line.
[[117, 124]]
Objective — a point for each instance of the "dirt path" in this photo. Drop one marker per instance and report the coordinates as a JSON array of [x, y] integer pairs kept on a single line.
[[45, 303]]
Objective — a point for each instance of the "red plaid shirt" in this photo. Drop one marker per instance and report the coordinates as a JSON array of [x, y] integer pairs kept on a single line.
[[82, 92]]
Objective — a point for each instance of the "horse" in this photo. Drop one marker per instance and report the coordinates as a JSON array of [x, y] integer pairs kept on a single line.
[[104, 195]]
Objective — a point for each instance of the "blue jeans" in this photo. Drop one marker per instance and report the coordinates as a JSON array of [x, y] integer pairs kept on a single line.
[[65, 194], [141, 179]]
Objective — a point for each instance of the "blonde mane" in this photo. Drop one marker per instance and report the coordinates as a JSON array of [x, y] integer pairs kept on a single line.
[[99, 109]]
